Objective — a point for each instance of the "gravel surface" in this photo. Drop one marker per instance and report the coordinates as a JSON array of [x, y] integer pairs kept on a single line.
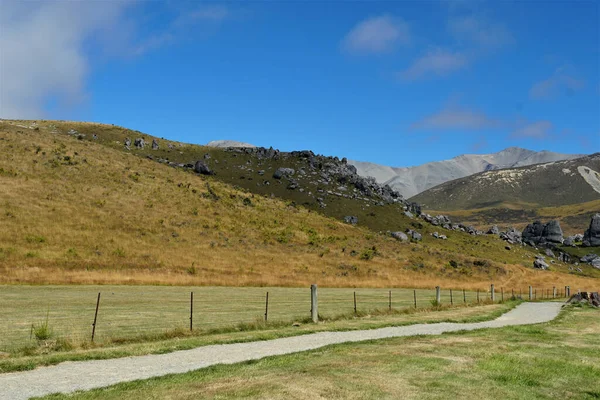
[[84, 375]]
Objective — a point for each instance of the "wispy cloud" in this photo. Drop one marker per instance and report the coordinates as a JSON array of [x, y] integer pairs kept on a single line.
[[560, 82], [377, 35], [480, 31], [438, 62], [455, 118], [532, 130], [43, 52]]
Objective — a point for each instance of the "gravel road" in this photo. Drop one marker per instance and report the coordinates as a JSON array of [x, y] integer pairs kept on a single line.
[[84, 375]]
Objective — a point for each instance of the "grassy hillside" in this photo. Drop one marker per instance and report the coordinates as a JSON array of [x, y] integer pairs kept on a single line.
[[533, 187], [75, 209]]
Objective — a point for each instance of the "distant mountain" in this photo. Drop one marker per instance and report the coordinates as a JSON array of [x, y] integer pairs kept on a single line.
[[550, 184], [228, 143], [411, 181]]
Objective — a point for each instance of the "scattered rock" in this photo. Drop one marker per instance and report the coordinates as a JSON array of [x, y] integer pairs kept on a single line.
[[539, 263], [494, 230], [591, 298], [401, 236], [154, 144], [549, 253], [139, 143], [409, 214], [350, 219], [414, 234], [588, 258], [507, 247], [202, 168], [281, 172]]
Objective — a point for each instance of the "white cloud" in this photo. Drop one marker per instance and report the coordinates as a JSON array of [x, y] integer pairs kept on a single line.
[[534, 130], [560, 81], [377, 35], [479, 31], [42, 52], [46, 47], [435, 62], [456, 118]]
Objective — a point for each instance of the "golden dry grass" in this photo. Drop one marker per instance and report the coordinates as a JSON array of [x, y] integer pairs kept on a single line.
[[74, 211]]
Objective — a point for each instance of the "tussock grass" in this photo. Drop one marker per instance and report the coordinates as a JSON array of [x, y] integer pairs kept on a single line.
[[86, 212]]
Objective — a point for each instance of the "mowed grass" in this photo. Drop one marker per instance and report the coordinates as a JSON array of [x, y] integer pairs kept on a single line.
[[138, 313], [560, 359]]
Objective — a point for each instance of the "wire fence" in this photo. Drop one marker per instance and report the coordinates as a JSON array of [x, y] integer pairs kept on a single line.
[[128, 312]]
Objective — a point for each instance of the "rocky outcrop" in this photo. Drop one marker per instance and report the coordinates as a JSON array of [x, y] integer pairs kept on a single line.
[[592, 235], [154, 144], [540, 234]]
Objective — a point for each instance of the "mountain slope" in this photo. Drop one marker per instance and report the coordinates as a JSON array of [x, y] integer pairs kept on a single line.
[[78, 207], [542, 185], [413, 180]]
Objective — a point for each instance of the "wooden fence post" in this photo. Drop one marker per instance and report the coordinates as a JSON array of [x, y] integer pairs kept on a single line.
[[492, 293], [451, 301], [530, 293], [267, 307], [438, 295], [464, 296], [502, 294], [95, 317], [314, 311], [191, 311], [390, 302], [477, 296], [354, 302], [415, 295]]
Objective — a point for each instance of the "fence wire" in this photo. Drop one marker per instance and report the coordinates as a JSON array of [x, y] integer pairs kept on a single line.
[[127, 312]]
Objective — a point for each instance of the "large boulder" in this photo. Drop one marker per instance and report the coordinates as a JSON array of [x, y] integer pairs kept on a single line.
[[201, 168], [552, 232], [592, 235], [532, 234]]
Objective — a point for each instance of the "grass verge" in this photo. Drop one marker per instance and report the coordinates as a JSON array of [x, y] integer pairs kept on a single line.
[[24, 359], [559, 359]]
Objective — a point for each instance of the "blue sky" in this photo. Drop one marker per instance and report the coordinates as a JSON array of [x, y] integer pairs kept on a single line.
[[396, 82]]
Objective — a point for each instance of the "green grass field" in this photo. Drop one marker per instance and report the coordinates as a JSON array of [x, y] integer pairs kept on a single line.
[[130, 312], [560, 359]]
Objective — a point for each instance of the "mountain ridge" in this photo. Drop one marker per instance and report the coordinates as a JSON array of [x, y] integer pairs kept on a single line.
[[410, 181]]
